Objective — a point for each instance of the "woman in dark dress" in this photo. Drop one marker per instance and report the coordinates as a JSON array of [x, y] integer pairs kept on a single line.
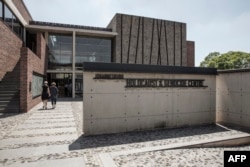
[[45, 94]]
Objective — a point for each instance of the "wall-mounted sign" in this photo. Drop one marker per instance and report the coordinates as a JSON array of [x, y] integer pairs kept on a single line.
[[36, 86], [109, 76], [140, 83], [153, 83]]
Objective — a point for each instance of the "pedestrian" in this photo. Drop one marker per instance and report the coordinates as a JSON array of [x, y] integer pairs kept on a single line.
[[54, 94], [45, 94]]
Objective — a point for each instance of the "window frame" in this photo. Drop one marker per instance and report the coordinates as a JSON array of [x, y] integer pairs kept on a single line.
[[11, 24]]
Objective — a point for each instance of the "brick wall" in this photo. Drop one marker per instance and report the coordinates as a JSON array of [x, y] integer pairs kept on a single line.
[[190, 53], [10, 49], [29, 63]]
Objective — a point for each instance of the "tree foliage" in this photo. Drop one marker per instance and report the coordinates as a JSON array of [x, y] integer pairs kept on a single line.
[[229, 60]]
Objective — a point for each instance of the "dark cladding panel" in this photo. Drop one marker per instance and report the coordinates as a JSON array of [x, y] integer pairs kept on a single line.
[[41, 23], [139, 68]]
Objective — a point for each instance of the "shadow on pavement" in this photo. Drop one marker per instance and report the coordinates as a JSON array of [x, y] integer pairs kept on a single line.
[[85, 142], [5, 115]]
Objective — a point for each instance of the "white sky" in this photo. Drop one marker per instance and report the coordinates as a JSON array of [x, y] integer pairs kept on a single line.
[[214, 25]]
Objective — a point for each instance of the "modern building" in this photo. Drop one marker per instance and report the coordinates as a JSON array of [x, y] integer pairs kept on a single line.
[[32, 51]]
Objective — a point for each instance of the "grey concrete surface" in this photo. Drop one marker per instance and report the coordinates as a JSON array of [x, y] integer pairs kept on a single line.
[[55, 138]]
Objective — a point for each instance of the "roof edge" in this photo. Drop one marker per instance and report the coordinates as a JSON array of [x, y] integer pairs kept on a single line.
[[142, 68]]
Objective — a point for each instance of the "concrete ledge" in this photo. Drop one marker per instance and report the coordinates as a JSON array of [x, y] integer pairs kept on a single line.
[[232, 140], [142, 68]]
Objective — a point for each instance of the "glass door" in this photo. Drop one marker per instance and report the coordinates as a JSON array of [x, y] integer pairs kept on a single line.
[[79, 85], [63, 82]]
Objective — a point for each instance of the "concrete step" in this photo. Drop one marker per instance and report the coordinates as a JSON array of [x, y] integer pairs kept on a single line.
[[9, 87], [9, 110]]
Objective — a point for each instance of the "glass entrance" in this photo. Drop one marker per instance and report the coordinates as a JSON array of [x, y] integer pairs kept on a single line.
[[63, 82], [78, 85]]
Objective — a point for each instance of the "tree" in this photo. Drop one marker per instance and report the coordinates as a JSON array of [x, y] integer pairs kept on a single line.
[[229, 60]]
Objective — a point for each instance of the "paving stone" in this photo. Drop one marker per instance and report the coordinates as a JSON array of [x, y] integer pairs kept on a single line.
[[55, 138], [44, 131], [67, 162]]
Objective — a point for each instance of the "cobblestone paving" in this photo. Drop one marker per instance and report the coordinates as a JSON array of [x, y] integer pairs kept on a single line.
[[195, 157], [54, 135]]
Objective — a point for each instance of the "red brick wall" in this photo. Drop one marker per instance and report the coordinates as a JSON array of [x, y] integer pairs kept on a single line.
[[10, 49], [30, 62], [190, 53], [22, 9]]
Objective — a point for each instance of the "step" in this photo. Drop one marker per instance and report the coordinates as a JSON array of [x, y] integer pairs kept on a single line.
[[9, 104], [8, 98], [8, 91], [11, 93], [9, 110], [9, 87]]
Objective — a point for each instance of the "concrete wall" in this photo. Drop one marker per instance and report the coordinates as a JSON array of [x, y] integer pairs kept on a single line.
[[232, 97], [143, 40], [109, 107]]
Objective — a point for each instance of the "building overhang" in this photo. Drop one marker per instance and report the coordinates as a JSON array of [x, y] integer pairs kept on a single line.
[[65, 30], [12, 6]]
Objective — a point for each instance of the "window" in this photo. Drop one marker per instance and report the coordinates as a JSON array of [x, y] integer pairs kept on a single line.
[[11, 20], [1, 9], [31, 41], [8, 16], [60, 51], [17, 27], [92, 50]]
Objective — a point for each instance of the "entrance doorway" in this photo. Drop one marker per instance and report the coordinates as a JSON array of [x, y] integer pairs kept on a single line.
[[63, 82], [79, 86]]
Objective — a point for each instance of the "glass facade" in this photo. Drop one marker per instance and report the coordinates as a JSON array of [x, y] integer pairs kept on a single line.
[[89, 49], [79, 85], [11, 20], [8, 16], [61, 57], [60, 52], [1, 9], [63, 82]]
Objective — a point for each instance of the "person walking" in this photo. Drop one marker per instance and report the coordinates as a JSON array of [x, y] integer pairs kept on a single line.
[[45, 94], [54, 94]]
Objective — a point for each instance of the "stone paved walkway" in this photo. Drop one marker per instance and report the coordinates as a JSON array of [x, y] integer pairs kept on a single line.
[[54, 137]]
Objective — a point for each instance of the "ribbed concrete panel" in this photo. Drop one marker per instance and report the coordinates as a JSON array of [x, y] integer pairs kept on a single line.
[[170, 42], [178, 47], [184, 45], [147, 28], [142, 40]]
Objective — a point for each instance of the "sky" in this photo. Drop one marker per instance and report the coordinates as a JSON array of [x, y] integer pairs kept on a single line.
[[214, 25]]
